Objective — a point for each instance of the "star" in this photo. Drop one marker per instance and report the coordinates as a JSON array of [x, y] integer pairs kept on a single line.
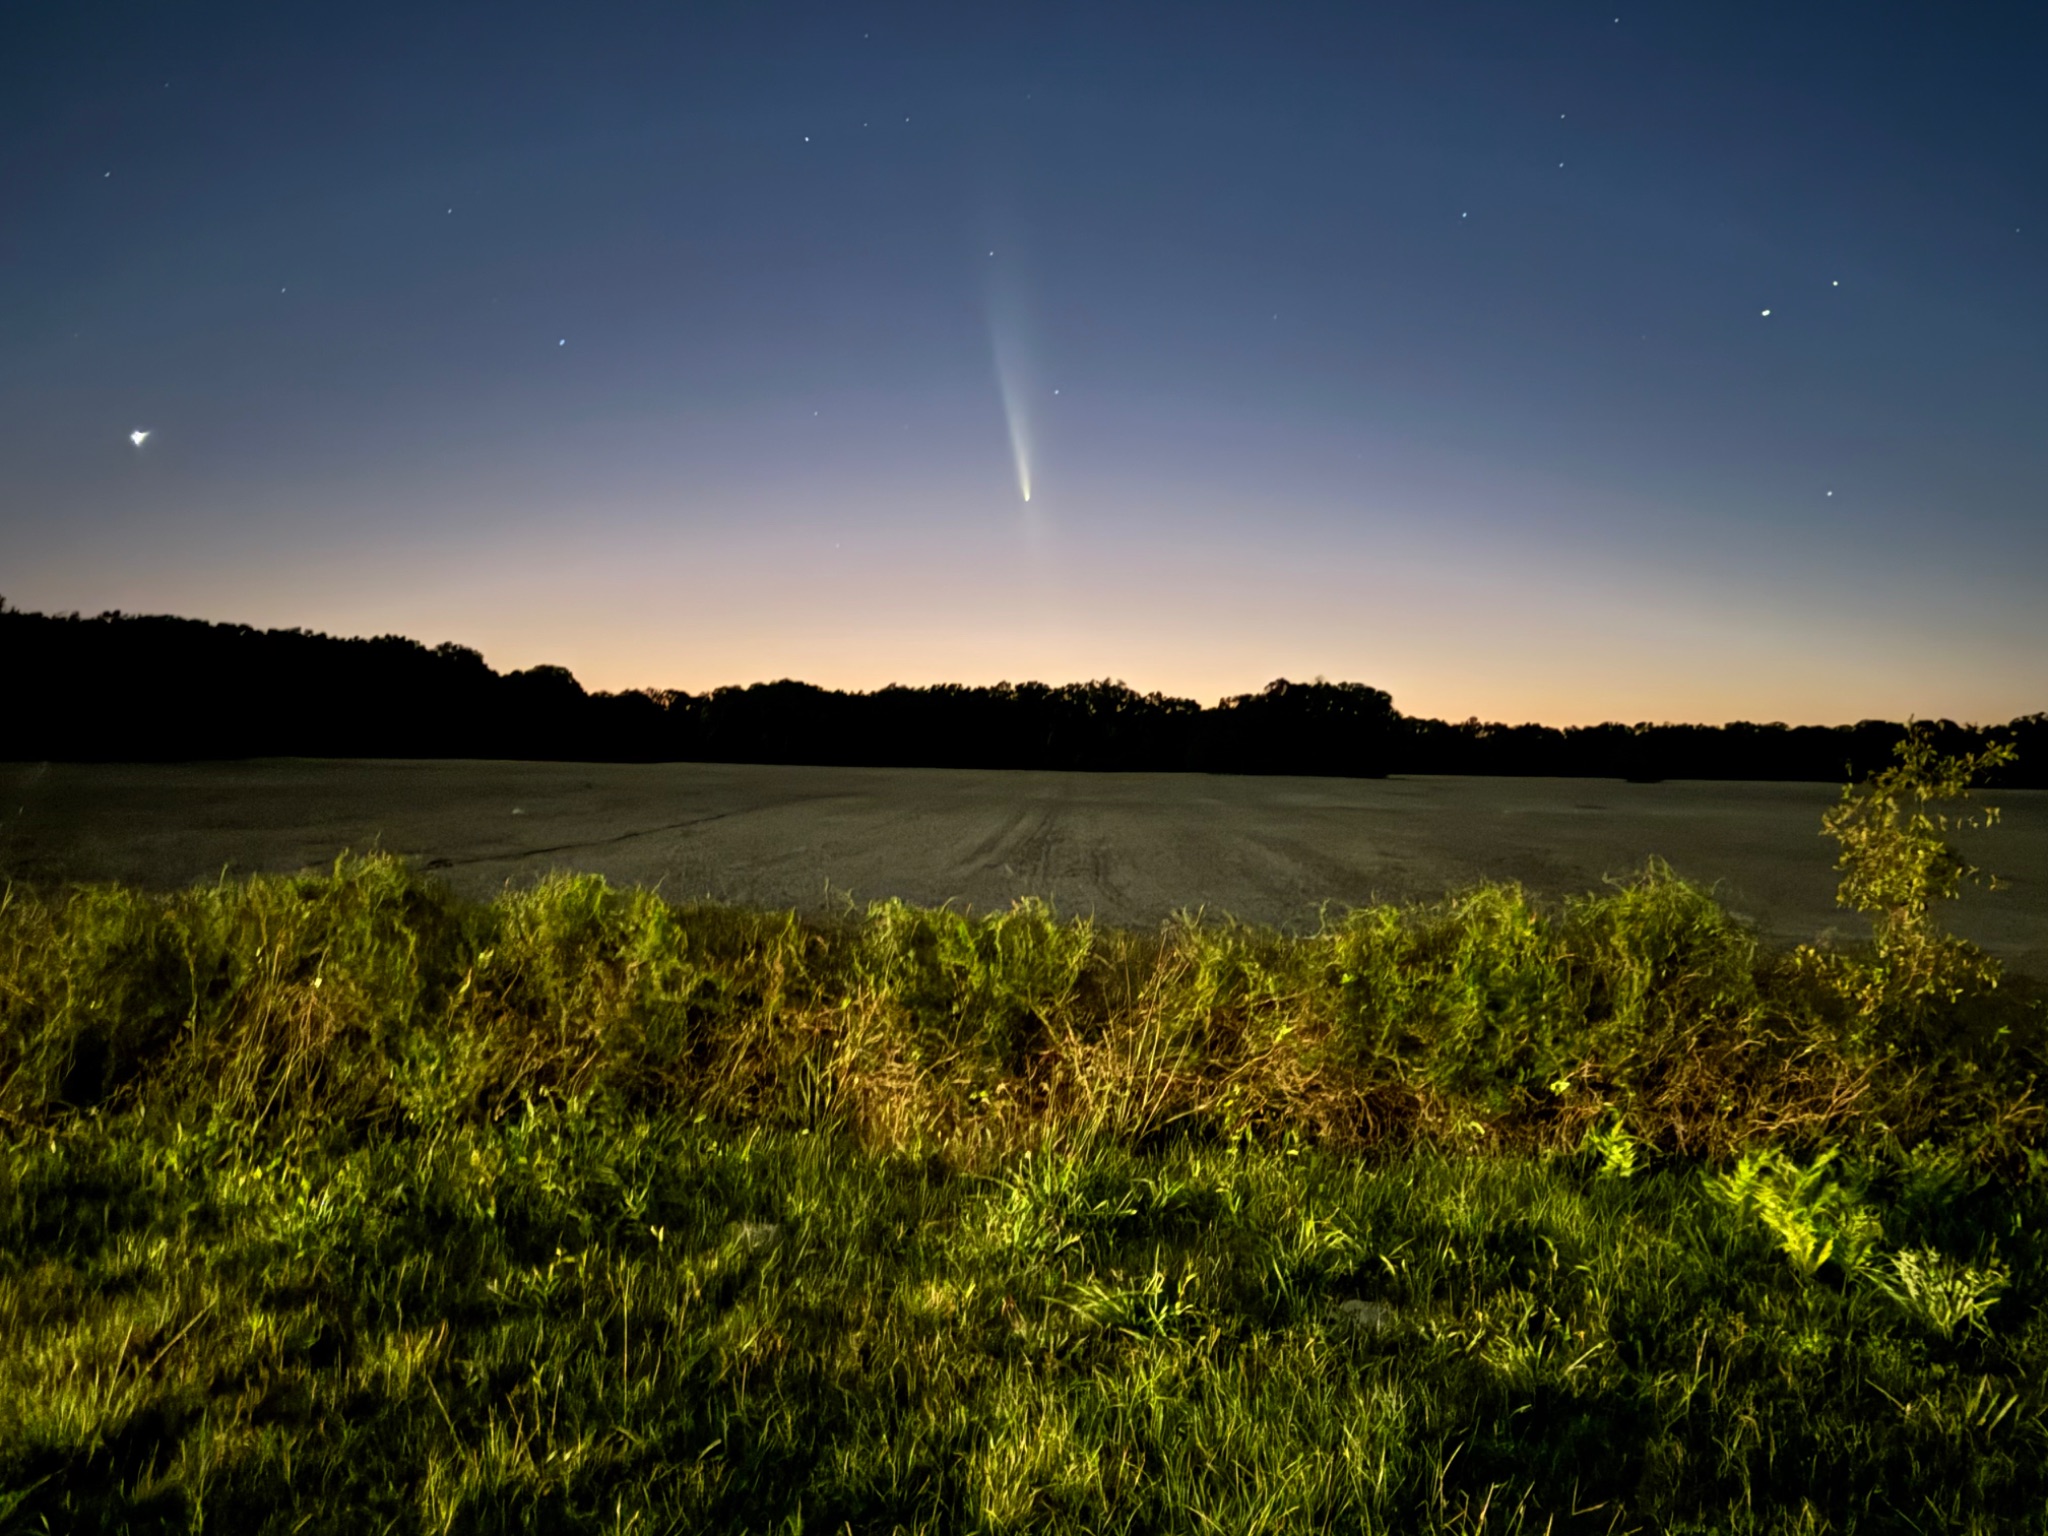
[[1767, 311], [1831, 493], [137, 437], [565, 340], [1836, 283]]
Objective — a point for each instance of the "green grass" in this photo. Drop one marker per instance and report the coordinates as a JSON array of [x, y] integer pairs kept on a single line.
[[332, 1203]]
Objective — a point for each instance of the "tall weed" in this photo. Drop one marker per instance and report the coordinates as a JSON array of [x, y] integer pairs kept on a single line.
[[1897, 866]]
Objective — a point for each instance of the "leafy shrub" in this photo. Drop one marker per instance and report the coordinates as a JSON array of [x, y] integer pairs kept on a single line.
[[1814, 1216], [1658, 963], [1619, 1152], [1941, 1292], [1472, 996]]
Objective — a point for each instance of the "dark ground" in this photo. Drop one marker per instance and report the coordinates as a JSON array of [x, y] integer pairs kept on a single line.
[[1128, 848]]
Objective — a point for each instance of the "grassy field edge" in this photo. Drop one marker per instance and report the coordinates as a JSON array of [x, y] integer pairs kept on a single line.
[[335, 1203]]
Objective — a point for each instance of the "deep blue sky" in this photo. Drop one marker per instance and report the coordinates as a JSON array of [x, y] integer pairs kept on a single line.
[[1417, 345]]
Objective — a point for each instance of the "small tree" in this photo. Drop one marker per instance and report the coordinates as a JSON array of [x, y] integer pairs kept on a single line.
[[1896, 864]]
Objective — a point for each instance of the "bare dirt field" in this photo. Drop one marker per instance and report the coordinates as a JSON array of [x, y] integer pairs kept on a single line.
[[1128, 849]]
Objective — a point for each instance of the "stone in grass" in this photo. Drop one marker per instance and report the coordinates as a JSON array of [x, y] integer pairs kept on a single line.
[[1373, 1317]]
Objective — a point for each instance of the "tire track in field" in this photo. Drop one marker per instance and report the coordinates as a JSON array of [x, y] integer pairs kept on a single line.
[[597, 842]]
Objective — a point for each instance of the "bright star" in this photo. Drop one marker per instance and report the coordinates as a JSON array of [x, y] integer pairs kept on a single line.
[[137, 437], [1767, 311]]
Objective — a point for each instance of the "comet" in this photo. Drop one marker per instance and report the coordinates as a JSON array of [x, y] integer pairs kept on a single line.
[[1016, 370], [1009, 384]]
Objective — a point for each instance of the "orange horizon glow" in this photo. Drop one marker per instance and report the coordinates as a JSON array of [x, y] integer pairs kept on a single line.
[[1555, 625]]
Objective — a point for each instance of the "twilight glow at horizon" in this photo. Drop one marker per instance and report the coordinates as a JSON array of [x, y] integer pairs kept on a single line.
[[1528, 362]]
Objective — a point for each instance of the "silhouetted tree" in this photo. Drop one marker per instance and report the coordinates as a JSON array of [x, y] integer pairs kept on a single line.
[[153, 688]]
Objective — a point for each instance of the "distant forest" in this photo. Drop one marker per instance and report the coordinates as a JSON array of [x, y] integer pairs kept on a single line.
[[124, 687]]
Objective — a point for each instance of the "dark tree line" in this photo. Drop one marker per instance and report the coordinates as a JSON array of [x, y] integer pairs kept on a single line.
[[122, 687]]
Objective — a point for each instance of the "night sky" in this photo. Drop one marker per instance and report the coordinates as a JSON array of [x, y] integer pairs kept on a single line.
[[1533, 361]]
